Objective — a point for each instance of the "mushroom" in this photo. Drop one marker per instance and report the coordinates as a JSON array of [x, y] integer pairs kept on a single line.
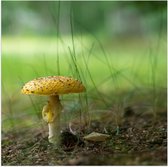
[[53, 86]]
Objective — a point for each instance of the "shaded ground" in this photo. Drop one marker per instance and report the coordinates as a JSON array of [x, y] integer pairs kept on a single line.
[[142, 140]]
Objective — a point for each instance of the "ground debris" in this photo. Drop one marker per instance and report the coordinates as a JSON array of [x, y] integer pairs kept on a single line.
[[140, 141]]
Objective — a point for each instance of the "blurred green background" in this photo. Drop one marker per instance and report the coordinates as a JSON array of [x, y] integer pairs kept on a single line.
[[117, 49]]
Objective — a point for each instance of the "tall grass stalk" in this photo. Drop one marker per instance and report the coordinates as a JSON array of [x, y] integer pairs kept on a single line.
[[10, 109], [91, 78], [108, 64], [56, 20], [153, 58], [58, 17], [78, 72]]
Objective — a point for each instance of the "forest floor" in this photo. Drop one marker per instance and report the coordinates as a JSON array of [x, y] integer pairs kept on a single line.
[[142, 140]]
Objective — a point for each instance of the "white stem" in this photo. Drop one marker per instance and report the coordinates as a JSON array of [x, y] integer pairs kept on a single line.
[[54, 130], [51, 113]]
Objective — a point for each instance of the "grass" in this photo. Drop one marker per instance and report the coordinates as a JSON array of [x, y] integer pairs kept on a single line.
[[112, 72]]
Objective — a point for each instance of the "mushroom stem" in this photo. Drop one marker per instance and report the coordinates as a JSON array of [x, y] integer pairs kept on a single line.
[[51, 114]]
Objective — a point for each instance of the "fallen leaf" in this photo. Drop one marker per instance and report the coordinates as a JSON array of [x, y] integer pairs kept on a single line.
[[94, 136]]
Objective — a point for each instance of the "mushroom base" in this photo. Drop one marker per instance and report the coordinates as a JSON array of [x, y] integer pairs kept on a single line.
[[54, 132]]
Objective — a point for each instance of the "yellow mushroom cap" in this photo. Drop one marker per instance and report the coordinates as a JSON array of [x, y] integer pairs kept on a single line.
[[53, 85]]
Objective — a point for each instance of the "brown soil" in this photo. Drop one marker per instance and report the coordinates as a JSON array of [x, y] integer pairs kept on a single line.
[[142, 140]]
